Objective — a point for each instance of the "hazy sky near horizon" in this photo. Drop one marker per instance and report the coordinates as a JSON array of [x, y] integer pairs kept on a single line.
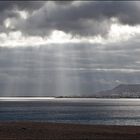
[[68, 48]]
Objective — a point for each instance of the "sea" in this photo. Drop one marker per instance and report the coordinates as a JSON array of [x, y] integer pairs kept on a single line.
[[71, 110]]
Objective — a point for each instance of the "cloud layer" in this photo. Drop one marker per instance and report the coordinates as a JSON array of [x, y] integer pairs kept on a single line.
[[75, 17]]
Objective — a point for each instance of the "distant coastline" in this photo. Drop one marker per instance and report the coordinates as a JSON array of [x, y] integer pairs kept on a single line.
[[120, 91]]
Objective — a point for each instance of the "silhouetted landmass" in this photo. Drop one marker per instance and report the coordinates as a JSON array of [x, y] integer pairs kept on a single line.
[[121, 91]]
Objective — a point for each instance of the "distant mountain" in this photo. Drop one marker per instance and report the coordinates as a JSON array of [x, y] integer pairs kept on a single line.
[[121, 91]]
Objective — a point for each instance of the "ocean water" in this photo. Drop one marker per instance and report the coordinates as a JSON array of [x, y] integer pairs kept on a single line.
[[79, 111]]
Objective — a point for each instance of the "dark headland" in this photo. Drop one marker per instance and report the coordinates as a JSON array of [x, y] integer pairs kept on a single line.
[[120, 91], [56, 131]]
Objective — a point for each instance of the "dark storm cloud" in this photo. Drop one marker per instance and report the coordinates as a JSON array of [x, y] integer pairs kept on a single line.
[[63, 2], [87, 18], [80, 18], [22, 5], [126, 11], [7, 10]]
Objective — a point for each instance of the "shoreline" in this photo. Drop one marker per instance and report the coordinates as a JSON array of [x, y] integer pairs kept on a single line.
[[12, 99], [62, 131]]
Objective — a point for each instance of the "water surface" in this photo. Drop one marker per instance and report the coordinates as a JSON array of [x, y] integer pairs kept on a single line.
[[70, 110]]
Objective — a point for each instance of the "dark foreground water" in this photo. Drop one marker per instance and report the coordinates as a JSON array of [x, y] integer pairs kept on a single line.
[[84, 111]]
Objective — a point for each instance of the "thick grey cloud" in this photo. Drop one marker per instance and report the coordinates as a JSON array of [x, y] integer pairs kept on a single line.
[[8, 10], [87, 18], [81, 18], [22, 5]]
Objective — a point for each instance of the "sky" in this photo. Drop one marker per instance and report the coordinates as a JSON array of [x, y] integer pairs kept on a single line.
[[69, 48]]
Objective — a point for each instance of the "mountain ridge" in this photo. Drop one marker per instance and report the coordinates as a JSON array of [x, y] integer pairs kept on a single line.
[[122, 90]]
